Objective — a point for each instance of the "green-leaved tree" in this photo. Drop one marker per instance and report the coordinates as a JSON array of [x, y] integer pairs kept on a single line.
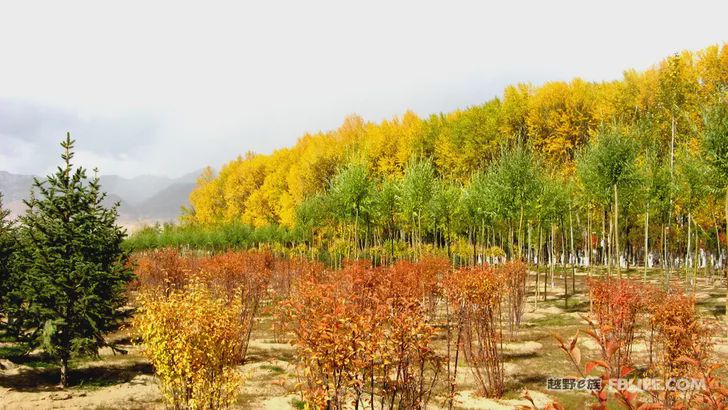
[[715, 145], [610, 166]]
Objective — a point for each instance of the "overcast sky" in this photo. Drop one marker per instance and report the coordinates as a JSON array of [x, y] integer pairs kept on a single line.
[[166, 88]]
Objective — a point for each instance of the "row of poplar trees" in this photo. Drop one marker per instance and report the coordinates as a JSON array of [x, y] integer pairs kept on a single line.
[[62, 269]]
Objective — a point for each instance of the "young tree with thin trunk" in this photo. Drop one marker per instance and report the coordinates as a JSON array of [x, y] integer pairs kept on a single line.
[[386, 208], [649, 172], [416, 193], [514, 182], [478, 207], [444, 208], [351, 193], [611, 168], [715, 146], [692, 177]]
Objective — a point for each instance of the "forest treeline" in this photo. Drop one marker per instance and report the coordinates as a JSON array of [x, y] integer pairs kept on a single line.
[[631, 171]]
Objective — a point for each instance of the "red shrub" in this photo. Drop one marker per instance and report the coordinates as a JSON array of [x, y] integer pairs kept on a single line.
[[514, 275], [616, 305], [475, 294]]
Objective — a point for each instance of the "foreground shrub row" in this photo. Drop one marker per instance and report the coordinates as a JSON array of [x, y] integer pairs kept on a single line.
[[363, 334], [393, 336]]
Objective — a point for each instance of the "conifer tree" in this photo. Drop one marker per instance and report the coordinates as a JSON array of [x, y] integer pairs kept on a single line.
[[7, 246], [70, 263]]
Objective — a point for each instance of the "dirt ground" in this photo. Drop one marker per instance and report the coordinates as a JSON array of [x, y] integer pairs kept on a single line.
[[115, 381]]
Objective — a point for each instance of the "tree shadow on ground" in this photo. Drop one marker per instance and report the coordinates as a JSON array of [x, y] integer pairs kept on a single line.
[[508, 356], [27, 379]]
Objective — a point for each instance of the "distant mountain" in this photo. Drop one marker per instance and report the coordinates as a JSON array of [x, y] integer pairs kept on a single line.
[[14, 186], [166, 202], [143, 199], [134, 190]]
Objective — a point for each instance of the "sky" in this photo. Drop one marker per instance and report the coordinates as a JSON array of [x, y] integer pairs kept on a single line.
[[166, 88]]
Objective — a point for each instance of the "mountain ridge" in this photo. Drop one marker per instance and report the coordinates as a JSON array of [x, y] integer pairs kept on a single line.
[[145, 199]]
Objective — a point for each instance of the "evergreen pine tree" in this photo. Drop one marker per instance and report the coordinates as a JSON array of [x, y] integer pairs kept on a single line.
[[7, 246], [70, 265]]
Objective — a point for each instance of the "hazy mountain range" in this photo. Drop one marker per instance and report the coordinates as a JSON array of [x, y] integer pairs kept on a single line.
[[144, 199]]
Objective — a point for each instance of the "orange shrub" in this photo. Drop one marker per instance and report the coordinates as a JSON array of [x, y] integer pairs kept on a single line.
[[164, 270], [239, 275], [360, 341], [236, 281], [514, 274], [680, 333], [287, 271], [682, 340]]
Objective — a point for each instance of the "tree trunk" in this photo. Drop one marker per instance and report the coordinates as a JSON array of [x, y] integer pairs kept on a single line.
[[529, 257], [552, 258], [589, 244], [726, 237], [664, 250], [717, 241], [511, 254], [672, 144], [419, 235], [647, 247], [572, 256], [356, 234], [520, 236], [687, 251], [449, 240], [538, 268], [610, 245], [696, 259], [603, 253], [617, 251], [64, 372]]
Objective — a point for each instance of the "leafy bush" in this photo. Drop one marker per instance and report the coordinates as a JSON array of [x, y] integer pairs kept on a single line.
[[361, 339], [194, 340], [195, 317]]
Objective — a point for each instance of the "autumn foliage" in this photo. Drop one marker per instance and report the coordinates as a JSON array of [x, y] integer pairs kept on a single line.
[[287, 271], [515, 274], [616, 306], [195, 340], [680, 338], [475, 294], [362, 336], [164, 270], [194, 320], [683, 342]]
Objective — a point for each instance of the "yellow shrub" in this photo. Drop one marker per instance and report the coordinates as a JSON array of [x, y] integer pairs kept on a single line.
[[194, 340]]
